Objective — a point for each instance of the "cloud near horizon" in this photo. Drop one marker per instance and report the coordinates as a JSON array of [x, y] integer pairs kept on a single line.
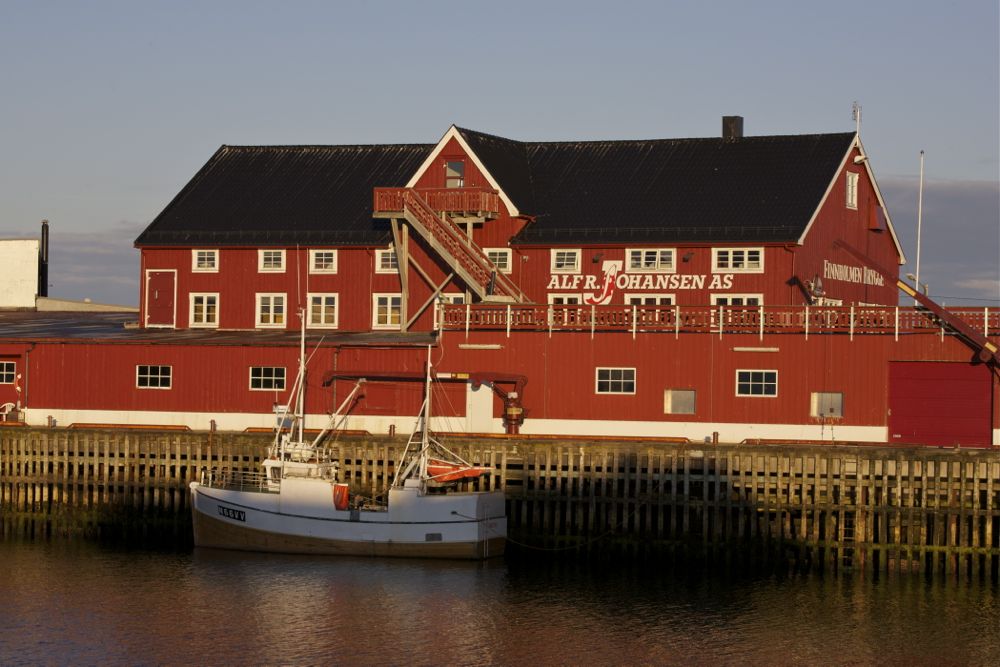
[[960, 236]]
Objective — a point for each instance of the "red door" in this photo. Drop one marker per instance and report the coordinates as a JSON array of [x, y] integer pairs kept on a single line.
[[940, 403], [160, 298]]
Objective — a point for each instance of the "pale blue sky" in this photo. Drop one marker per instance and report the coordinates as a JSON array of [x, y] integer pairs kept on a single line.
[[108, 108]]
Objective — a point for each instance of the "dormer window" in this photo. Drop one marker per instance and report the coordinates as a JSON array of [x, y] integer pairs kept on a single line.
[[454, 174]]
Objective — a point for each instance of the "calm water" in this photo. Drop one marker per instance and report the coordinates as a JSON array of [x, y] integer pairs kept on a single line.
[[80, 603]]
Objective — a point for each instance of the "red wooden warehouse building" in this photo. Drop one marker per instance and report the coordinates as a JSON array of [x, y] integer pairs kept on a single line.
[[734, 287]]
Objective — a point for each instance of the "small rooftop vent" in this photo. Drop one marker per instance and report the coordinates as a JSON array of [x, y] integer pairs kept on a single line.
[[732, 127]]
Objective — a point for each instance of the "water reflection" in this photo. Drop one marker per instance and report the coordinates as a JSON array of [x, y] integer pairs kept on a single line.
[[71, 602]]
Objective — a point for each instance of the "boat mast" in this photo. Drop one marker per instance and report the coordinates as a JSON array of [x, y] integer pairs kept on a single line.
[[301, 398], [424, 437]]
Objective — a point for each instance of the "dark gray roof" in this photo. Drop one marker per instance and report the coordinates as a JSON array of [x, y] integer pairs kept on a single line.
[[749, 189], [664, 190], [282, 195]]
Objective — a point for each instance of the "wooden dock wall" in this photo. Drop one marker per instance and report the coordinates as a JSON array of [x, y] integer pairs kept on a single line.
[[861, 508]]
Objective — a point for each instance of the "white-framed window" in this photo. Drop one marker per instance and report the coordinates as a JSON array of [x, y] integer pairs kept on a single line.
[[8, 372], [501, 258], [679, 401], [826, 404], [322, 261], [737, 260], [386, 262], [204, 310], [852, 190], [267, 378], [650, 260], [649, 299], [270, 261], [153, 377], [322, 311], [564, 299], [615, 381], [757, 383], [565, 261], [387, 311], [271, 310], [452, 298], [454, 173], [737, 299], [204, 261]]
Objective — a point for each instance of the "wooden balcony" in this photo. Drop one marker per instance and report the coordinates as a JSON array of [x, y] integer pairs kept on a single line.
[[460, 203], [758, 320]]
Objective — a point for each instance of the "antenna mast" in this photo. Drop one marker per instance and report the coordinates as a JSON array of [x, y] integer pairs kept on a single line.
[[856, 116]]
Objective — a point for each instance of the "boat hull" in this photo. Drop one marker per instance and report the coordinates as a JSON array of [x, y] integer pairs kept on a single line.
[[304, 520]]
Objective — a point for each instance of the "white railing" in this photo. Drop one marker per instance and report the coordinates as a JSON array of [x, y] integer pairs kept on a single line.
[[808, 320]]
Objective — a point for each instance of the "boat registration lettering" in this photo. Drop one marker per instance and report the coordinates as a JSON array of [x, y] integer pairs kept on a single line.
[[230, 513]]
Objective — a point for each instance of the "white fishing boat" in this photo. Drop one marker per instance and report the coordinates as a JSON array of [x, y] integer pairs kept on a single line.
[[297, 504]]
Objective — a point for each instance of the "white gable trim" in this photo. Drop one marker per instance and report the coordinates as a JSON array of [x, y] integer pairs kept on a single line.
[[878, 195], [453, 133]]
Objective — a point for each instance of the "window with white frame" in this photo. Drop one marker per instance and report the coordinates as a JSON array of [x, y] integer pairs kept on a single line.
[[153, 377], [756, 383], [565, 299], [659, 260], [386, 311], [678, 401], [322, 261], [737, 299], [8, 371], [267, 378], [737, 260], [852, 190], [649, 299], [205, 261], [826, 404], [454, 173], [501, 258], [271, 261], [205, 310], [450, 298], [565, 261], [270, 310], [615, 381], [322, 311], [386, 262]]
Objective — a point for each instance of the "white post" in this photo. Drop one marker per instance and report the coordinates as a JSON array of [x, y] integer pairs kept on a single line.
[[986, 321], [807, 322], [468, 316], [897, 325], [760, 316], [852, 323], [508, 320], [592, 309], [634, 326], [677, 321]]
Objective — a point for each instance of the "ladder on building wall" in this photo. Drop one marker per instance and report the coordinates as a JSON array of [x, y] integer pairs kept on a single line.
[[460, 253]]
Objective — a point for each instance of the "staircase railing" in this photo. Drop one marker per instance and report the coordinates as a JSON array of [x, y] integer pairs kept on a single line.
[[462, 254]]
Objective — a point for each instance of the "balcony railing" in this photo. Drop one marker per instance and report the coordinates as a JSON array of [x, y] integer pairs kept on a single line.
[[480, 202], [851, 320]]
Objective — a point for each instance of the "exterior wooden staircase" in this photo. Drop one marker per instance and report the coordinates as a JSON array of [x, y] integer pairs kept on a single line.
[[448, 241]]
